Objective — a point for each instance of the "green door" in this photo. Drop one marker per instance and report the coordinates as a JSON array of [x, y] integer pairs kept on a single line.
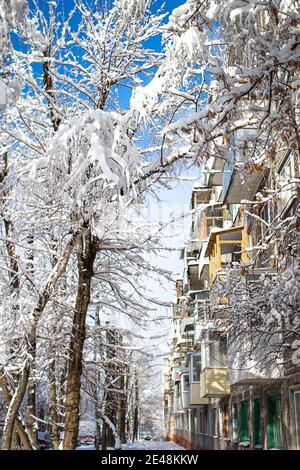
[[244, 411], [257, 422], [274, 422], [297, 416]]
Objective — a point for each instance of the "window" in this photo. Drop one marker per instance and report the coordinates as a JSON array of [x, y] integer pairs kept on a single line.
[[234, 210], [234, 420], [206, 421], [184, 422], [217, 351], [193, 229], [244, 411], [297, 417], [195, 368], [244, 141], [257, 422], [214, 218], [274, 432], [285, 175], [264, 215], [214, 422], [227, 174], [194, 421], [185, 383], [225, 422]]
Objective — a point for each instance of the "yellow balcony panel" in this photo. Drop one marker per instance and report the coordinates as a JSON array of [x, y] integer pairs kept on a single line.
[[224, 247], [214, 382], [195, 398]]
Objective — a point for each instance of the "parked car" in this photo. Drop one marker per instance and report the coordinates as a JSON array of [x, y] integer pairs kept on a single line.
[[148, 437], [87, 440], [44, 441]]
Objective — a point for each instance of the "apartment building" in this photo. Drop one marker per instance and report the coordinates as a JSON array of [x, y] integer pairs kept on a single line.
[[230, 381]]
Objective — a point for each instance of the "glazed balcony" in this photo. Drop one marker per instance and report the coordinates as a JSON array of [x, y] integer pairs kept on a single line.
[[194, 365], [195, 397], [214, 382], [210, 217], [225, 246], [188, 394]]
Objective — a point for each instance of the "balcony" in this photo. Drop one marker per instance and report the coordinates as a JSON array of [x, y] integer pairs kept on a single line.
[[196, 307], [191, 398], [214, 382], [211, 217], [225, 246], [184, 396], [241, 182], [203, 271], [200, 195], [193, 277], [183, 341], [214, 372], [195, 398], [201, 326], [255, 361], [239, 189], [187, 327], [216, 172]]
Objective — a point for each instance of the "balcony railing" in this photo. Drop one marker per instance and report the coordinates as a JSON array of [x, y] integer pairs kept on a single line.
[[195, 398], [214, 382], [225, 247]]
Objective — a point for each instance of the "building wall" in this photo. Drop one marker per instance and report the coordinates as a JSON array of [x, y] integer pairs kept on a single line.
[[259, 411]]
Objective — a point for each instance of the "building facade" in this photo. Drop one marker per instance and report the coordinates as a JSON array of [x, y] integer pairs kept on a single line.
[[232, 377]]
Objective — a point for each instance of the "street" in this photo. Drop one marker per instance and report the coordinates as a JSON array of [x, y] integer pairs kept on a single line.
[[142, 445], [151, 445]]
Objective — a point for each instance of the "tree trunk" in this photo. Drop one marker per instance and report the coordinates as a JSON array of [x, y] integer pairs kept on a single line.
[[61, 392], [14, 283], [43, 299], [15, 444], [110, 425], [86, 255], [31, 401], [112, 385], [103, 437], [24, 435], [122, 409], [19, 425], [97, 381], [13, 408], [136, 409], [53, 405], [98, 427], [128, 387], [31, 410]]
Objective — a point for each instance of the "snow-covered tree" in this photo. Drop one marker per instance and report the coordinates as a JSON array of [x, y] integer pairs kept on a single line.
[[76, 164]]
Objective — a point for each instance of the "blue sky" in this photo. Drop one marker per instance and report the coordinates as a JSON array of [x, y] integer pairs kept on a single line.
[[175, 200], [64, 7]]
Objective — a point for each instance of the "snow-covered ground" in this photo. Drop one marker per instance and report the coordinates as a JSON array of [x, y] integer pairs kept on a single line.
[[90, 447], [142, 445], [151, 445], [86, 447]]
